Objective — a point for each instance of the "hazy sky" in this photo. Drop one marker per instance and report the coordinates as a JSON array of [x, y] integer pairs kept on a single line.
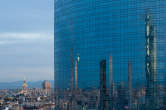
[[26, 40]]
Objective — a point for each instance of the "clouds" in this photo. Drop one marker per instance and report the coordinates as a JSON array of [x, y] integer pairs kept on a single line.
[[26, 39], [20, 37], [26, 54], [25, 35]]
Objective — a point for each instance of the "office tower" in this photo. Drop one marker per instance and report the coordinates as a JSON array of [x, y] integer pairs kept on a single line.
[[130, 84], [116, 29], [97, 28], [151, 89], [104, 97]]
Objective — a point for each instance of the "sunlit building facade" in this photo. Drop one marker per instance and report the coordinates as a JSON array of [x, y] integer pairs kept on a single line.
[[129, 35]]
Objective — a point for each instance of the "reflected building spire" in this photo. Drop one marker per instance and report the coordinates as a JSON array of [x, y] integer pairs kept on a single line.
[[71, 55], [150, 63], [104, 97], [130, 84], [76, 71], [111, 82], [71, 68]]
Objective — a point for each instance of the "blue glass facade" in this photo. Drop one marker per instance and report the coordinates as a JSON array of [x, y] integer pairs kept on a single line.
[[94, 30]]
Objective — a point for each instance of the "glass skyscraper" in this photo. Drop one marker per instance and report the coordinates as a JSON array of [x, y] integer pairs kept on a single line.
[[128, 37]]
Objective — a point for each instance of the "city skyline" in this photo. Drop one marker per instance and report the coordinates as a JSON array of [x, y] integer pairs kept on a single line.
[[83, 55]]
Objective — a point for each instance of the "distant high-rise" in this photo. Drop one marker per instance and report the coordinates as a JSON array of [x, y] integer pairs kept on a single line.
[[46, 86]]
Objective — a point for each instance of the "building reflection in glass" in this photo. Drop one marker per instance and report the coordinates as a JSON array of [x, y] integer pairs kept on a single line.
[[121, 44]]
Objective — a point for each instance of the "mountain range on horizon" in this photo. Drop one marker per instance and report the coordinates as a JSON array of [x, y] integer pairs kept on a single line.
[[18, 84]]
